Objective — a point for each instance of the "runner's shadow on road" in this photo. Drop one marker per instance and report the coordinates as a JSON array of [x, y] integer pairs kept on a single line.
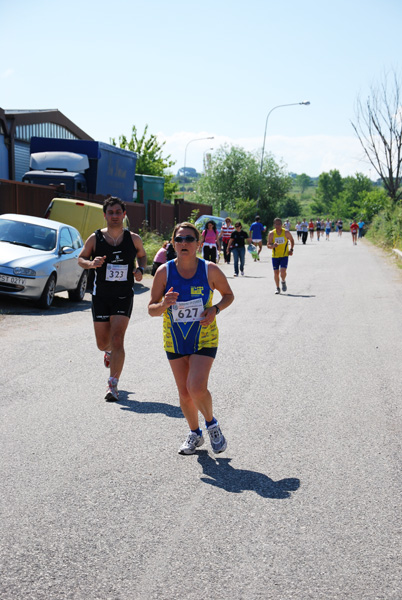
[[147, 408], [221, 474]]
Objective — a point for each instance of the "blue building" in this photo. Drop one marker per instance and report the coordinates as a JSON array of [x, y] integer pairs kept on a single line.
[[16, 129]]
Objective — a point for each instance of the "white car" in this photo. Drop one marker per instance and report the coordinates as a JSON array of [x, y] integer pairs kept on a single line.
[[38, 258]]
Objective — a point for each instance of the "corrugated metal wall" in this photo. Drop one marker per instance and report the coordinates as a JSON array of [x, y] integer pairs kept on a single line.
[[21, 159]]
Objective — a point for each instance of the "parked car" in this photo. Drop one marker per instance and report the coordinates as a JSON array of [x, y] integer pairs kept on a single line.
[[38, 258], [84, 216], [201, 221]]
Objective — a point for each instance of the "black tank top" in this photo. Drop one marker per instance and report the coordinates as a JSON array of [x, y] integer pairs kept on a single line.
[[115, 277]]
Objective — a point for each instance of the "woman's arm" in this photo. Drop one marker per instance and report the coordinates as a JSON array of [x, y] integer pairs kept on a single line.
[[159, 301]]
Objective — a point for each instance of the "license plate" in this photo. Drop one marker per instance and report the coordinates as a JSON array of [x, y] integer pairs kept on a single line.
[[11, 279]]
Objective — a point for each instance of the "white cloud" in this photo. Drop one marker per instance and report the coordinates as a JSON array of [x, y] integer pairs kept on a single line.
[[7, 73], [311, 154]]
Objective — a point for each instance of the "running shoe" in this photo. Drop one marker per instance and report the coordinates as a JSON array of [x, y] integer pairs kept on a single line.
[[217, 438], [284, 286], [112, 393], [191, 443], [106, 359], [278, 291], [236, 275], [242, 273]]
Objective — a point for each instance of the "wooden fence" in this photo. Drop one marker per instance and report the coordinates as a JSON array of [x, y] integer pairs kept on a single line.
[[29, 199]]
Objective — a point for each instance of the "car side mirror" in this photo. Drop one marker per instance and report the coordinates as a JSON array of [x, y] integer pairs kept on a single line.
[[66, 250]]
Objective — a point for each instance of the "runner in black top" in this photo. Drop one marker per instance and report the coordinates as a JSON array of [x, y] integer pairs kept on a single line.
[[113, 252]]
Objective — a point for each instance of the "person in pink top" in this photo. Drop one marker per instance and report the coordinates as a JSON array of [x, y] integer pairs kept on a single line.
[[210, 242], [159, 258]]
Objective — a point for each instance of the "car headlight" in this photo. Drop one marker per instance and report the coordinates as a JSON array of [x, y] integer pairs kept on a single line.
[[27, 272]]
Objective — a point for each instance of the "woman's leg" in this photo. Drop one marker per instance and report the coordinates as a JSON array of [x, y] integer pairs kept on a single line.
[[191, 374], [236, 260], [242, 254]]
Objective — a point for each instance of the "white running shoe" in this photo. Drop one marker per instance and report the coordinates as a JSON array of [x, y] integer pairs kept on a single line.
[[278, 291], [112, 393], [191, 443], [217, 438]]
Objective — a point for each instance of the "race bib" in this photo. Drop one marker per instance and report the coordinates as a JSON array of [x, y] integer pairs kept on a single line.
[[280, 240], [116, 272], [187, 312]]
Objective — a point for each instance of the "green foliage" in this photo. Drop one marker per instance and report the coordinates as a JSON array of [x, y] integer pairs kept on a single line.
[[233, 181], [330, 185], [289, 208], [150, 158], [246, 209], [386, 228], [193, 216], [371, 203], [152, 241], [302, 182]]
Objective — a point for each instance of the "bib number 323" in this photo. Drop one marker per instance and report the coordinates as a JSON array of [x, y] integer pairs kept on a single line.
[[187, 312], [116, 272]]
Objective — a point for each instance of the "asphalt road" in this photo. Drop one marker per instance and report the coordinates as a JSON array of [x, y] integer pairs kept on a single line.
[[304, 504]]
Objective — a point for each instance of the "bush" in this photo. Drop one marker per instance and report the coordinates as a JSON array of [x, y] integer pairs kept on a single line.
[[152, 241], [386, 227]]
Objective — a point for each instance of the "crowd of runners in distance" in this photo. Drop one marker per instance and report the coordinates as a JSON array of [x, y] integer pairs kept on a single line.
[[321, 227]]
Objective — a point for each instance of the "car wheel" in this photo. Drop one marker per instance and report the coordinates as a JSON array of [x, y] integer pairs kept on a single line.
[[46, 299], [78, 294]]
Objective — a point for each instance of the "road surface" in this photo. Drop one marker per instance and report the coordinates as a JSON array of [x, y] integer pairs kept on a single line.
[[304, 504]]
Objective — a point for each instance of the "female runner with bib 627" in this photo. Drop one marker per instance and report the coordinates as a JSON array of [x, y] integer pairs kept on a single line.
[[182, 292]]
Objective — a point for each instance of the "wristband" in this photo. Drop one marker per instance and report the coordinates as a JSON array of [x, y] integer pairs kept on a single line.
[[140, 269], [218, 310]]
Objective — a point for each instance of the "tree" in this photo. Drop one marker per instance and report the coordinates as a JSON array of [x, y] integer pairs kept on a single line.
[[234, 175], [290, 208], [303, 181], [378, 126], [330, 185], [371, 203], [150, 160]]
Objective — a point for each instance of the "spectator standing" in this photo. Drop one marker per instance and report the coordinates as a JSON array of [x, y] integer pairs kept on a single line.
[[210, 242], [226, 231], [237, 242]]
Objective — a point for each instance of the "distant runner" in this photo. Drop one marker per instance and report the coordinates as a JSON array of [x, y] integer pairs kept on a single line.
[[256, 231], [278, 241], [354, 228]]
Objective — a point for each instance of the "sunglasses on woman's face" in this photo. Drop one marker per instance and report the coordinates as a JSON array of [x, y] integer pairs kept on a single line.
[[179, 239]]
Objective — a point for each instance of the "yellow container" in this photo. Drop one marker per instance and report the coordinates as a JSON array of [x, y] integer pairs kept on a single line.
[[84, 216]]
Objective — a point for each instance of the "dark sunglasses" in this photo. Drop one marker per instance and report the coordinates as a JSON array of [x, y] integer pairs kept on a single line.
[[179, 239]]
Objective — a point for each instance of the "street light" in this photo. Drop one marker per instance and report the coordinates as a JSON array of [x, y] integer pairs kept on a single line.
[[305, 103], [185, 152]]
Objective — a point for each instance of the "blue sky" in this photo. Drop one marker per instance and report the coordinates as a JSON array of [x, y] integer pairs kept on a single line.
[[214, 68]]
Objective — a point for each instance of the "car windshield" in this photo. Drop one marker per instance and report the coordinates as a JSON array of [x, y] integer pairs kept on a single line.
[[27, 234], [202, 221]]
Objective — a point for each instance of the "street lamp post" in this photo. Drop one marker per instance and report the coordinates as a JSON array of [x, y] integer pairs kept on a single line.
[[305, 103], [185, 152]]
